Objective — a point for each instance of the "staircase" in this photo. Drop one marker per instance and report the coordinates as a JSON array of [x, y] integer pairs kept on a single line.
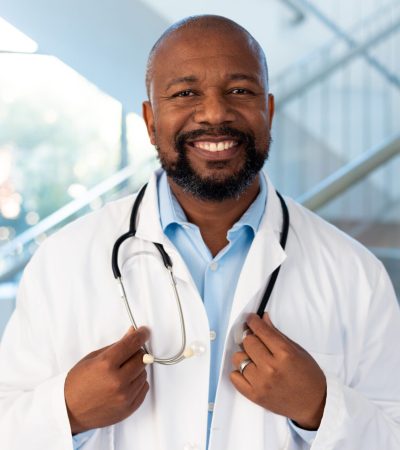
[[335, 107]]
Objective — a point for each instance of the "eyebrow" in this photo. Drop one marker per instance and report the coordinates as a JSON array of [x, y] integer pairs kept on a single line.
[[243, 76], [190, 79]]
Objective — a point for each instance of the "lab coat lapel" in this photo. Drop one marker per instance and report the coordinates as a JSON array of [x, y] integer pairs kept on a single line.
[[149, 228], [264, 256]]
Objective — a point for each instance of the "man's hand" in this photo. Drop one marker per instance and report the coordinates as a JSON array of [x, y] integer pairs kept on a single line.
[[282, 376], [107, 385]]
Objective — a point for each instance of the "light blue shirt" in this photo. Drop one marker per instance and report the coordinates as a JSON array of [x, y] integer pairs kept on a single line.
[[215, 277]]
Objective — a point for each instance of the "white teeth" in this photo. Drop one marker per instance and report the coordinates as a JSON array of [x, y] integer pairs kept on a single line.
[[214, 146]]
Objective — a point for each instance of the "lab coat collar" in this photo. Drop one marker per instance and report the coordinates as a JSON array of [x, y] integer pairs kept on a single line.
[[149, 227], [148, 222], [264, 255]]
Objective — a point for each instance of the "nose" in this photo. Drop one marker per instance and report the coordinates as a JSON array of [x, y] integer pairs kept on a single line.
[[214, 110]]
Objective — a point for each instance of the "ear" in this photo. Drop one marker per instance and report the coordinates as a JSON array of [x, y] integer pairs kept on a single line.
[[271, 109], [148, 116]]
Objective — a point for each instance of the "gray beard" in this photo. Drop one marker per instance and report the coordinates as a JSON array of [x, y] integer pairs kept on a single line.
[[214, 188]]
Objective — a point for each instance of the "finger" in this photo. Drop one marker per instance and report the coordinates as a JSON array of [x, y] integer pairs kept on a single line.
[[267, 333], [95, 353], [257, 350], [238, 358], [139, 381], [250, 373], [128, 345], [133, 366], [137, 387], [141, 395], [241, 384]]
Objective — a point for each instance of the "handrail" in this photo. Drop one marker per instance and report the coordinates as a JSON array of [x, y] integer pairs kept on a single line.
[[309, 6], [330, 68], [298, 12], [350, 174], [69, 210], [325, 48], [316, 197]]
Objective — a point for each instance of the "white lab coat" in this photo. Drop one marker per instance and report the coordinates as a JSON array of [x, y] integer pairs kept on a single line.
[[332, 297]]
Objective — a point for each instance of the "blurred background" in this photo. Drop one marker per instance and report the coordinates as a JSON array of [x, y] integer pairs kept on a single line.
[[72, 138]]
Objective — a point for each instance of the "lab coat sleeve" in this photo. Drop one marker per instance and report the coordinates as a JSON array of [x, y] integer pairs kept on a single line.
[[32, 407], [365, 413]]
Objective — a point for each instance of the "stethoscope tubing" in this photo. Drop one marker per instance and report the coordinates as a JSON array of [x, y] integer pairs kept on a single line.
[[183, 352]]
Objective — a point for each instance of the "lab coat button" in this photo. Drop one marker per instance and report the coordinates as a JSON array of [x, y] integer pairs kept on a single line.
[[213, 335], [211, 407], [214, 266]]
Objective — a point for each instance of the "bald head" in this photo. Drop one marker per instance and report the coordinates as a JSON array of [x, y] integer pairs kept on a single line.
[[205, 23]]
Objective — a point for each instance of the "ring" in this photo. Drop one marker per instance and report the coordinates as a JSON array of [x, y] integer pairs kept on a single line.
[[243, 365]]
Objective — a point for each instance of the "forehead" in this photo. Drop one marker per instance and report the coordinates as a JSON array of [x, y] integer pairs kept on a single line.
[[201, 51]]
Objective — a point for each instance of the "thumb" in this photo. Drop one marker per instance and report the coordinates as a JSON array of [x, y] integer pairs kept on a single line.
[[128, 345]]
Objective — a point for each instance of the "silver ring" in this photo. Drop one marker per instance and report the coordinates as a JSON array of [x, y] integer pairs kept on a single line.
[[243, 365]]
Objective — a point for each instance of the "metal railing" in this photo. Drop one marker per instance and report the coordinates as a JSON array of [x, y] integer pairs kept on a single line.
[[19, 248], [332, 186], [362, 50], [341, 61]]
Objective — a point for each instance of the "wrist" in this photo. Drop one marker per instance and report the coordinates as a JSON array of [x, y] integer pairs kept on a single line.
[[313, 421]]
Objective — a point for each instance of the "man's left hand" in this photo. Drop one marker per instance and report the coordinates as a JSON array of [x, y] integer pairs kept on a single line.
[[282, 377]]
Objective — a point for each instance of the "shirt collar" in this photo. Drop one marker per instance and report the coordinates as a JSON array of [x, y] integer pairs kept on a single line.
[[171, 211]]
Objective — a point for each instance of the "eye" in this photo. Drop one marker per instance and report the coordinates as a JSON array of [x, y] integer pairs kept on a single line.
[[241, 91], [186, 93]]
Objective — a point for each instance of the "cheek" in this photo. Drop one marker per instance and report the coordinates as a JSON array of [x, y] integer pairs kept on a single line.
[[165, 132]]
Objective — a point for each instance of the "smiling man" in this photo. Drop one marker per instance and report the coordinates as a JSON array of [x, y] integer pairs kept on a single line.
[[314, 369]]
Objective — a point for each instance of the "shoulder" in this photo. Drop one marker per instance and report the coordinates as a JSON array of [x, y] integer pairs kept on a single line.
[[91, 232], [323, 244]]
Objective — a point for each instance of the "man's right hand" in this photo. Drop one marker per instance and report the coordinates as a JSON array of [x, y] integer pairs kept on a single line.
[[107, 385]]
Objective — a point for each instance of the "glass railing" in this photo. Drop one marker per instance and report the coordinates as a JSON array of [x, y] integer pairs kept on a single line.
[[335, 104], [373, 215]]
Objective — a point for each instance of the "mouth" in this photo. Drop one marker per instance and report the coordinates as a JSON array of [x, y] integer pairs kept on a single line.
[[215, 147]]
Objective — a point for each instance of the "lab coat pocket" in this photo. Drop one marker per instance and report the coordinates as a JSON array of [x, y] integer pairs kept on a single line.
[[330, 363]]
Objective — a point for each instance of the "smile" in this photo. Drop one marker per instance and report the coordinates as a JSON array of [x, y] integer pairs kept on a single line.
[[214, 146]]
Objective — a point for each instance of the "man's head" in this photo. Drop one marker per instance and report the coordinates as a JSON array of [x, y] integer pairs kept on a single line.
[[209, 113]]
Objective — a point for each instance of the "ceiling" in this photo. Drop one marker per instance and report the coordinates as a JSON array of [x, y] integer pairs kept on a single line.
[[108, 41]]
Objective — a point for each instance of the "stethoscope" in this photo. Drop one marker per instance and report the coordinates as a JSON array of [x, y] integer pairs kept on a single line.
[[184, 351]]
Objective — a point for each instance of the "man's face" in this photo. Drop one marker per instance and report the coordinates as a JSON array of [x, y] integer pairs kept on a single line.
[[210, 114]]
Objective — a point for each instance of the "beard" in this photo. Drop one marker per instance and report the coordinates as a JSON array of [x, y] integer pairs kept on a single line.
[[215, 188]]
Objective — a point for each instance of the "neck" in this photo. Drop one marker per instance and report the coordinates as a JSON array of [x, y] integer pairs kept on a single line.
[[213, 218]]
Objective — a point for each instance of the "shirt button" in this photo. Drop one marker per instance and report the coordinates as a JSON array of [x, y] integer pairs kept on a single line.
[[211, 407], [214, 266], [213, 335]]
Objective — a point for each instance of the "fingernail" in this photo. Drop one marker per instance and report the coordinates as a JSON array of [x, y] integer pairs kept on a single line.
[[145, 332], [267, 319]]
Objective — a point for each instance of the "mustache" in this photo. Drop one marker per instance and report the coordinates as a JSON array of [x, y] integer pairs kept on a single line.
[[182, 138]]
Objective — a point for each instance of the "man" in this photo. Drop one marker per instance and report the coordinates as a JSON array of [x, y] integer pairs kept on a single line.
[[317, 371]]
